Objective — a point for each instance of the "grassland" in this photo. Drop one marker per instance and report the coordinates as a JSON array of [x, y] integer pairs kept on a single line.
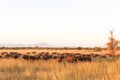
[[24, 51], [11, 69], [19, 69]]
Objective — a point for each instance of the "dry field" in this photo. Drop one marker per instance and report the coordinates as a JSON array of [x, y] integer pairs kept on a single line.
[[11, 69], [23, 51], [20, 69]]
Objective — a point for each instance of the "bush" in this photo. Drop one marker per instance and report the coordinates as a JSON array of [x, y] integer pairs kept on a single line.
[[97, 49], [79, 48]]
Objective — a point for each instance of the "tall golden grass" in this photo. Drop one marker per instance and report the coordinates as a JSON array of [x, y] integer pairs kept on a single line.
[[11, 69]]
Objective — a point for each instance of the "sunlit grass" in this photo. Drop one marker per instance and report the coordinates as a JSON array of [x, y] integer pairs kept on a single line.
[[11, 69]]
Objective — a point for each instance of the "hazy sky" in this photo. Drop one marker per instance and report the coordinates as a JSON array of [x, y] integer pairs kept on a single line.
[[59, 22]]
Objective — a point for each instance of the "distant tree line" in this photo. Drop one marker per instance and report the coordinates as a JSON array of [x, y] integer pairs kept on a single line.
[[56, 48]]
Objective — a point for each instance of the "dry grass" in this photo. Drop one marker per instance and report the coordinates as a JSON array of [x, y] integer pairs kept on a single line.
[[23, 51], [19, 69]]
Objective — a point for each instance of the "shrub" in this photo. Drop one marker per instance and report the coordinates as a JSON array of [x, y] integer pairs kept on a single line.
[[97, 49]]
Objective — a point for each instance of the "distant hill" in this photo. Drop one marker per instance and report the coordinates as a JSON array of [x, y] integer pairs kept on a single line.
[[26, 45]]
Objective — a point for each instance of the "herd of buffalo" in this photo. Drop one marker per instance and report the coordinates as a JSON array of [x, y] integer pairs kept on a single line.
[[59, 57]]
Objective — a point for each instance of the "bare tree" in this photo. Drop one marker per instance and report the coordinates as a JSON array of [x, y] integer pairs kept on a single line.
[[112, 45]]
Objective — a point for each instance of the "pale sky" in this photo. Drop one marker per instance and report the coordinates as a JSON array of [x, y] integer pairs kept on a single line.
[[59, 22]]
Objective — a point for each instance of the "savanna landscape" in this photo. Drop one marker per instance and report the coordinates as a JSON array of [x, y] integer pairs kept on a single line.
[[59, 39], [38, 63], [44, 64]]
